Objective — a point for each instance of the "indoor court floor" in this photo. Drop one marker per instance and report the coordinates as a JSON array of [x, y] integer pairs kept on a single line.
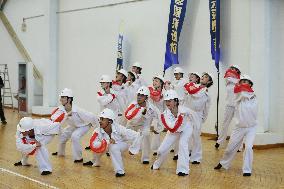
[[268, 169]]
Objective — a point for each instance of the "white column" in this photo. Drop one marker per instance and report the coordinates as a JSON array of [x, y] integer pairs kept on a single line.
[[50, 97], [259, 59]]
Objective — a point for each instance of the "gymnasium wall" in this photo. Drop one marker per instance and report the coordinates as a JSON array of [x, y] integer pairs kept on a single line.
[[252, 37]]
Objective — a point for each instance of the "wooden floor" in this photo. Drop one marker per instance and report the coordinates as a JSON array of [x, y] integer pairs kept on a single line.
[[268, 169]]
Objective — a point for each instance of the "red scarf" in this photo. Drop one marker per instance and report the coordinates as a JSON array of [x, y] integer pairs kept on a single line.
[[191, 88], [101, 148], [156, 96], [242, 88], [177, 123], [232, 73], [134, 112], [24, 140], [116, 83]]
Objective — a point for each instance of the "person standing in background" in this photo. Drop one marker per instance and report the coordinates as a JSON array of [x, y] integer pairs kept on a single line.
[[2, 116]]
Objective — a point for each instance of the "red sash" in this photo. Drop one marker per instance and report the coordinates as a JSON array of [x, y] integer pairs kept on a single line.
[[177, 124], [232, 73], [191, 88], [242, 88], [156, 96], [134, 112], [24, 140], [99, 149]]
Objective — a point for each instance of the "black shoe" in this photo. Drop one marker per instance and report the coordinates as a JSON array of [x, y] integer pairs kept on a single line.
[[78, 161], [172, 150], [18, 163], [89, 163], [219, 166], [182, 174], [4, 122], [217, 145], [238, 151], [46, 173], [54, 153], [247, 174], [107, 154], [195, 162], [120, 175], [145, 162], [175, 157], [152, 167], [155, 153], [88, 148]]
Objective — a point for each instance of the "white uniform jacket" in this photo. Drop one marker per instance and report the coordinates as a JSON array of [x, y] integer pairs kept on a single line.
[[184, 117], [199, 102], [122, 134], [79, 118], [246, 109], [178, 86], [137, 120], [53, 125], [230, 84]]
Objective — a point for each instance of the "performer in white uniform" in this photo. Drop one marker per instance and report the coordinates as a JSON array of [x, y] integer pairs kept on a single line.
[[31, 139], [177, 119], [79, 122], [231, 77], [199, 101], [140, 114], [137, 68], [178, 83], [156, 98], [117, 138], [131, 87], [246, 115]]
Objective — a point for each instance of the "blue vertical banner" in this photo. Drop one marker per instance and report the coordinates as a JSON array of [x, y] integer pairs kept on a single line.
[[176, 17], [214, 8], [119, 62]]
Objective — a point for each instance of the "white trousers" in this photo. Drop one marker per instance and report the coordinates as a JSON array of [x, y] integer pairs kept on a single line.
[[228, 116], [156, 141], [183, 152], [75, 133], [196, 143], [236, 140], [146, 142], [41, 154], [115, 151]]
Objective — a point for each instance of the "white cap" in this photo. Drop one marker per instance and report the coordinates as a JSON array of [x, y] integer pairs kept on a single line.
[[170, 94], [235, 66], [195, 73], [105, 78], [66, 92], [135, 75], [159, 77], [144, 91], [178, 70], [123, 71], [108, 113], [210, 74], [247, 77], [137, 64], [25, 124]]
